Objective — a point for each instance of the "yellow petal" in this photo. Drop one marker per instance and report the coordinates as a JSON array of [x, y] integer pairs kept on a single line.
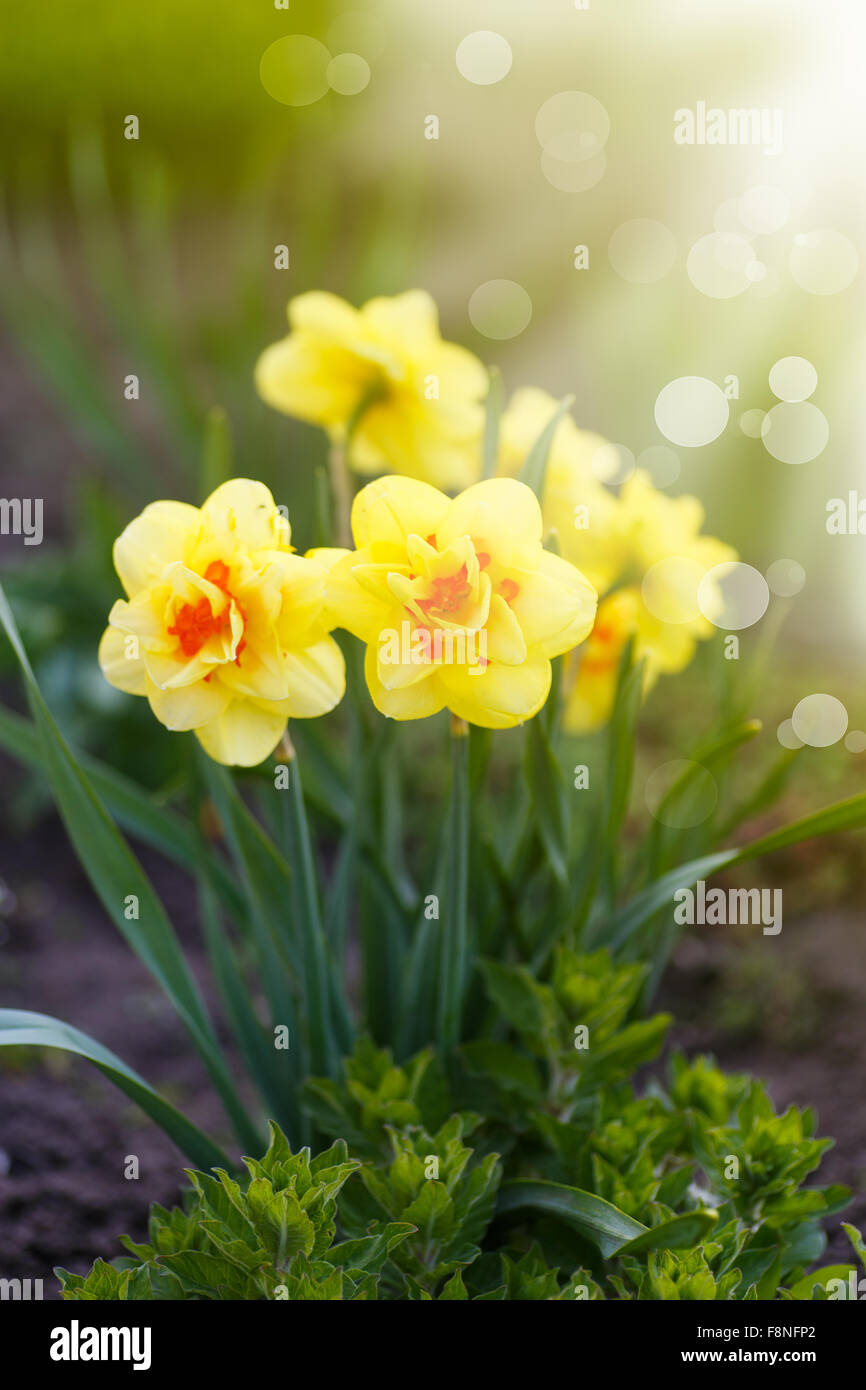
[[303, 378], [393, 508], [402, 659], [410, 320], [121, 663], [415, 702], [352, 605], [501, 515], [505, 639], [188, 706], [245, 512], [325, 315], [164, 532], [243, 734], [497, 696], [303, 597], [573, 595], [317, 679]]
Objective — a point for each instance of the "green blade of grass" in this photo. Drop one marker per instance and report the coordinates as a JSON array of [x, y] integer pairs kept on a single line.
[[20, 1028], [117, 877]]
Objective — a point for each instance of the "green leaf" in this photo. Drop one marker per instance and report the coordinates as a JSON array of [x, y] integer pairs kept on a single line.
[[454, 952], [549, 799], [679, 1233], [842, 815], [803, 1288], [20, 1028], [600, 1222], [492, 416], [217, 452], [132, 807], [534, 469], [117, 876]]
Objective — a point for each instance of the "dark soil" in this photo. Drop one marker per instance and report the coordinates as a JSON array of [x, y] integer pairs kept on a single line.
[[66, 1133]]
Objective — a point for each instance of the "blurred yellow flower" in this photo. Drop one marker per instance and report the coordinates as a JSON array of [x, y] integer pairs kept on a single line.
[[574, 500], [223, 628], [411, 402], [458, 602], [658, 558]]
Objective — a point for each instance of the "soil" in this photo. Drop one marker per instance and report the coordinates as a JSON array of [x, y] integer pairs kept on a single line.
[[66, 1133]]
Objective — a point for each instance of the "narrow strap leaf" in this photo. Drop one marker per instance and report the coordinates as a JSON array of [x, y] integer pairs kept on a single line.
[[20, 1028]]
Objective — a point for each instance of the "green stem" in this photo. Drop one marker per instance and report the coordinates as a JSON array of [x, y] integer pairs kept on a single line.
[[317, 983], [454, 940]]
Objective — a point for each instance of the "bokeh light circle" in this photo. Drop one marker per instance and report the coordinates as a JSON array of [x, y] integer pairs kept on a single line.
[[484, 57], [793, 378], [500, 309], [717, 265], [855, 741], [786, 735], [693, 804], [733, 596], [571, 175], [294, 70], [642, 251], [348, 74], [691, 411], [572, 126], [612, 464], [662, 464], [823, 262], [786, 578], [670, 589], [795, 432], [751, 422], [820, 720], [764, 210]]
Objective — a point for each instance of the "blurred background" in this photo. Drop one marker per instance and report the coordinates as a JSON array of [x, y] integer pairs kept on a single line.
[[469, 147]]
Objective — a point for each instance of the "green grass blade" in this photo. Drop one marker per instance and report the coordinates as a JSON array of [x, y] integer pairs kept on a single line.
[[492, 416], [20, 1028], [842, 815], [130, 805], [117, 877], [454, 934], [535, 468]]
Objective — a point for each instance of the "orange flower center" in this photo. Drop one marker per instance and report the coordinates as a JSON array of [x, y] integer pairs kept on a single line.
[[196, 623], [450, 592]]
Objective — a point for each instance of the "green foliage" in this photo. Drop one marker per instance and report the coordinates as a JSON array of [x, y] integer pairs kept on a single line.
[[270, 1237], [600, 1190]]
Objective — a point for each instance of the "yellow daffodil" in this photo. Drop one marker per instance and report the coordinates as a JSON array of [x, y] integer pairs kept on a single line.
[[223, 628], [574, 500], [412, 401], [659, 558], [458, 602]]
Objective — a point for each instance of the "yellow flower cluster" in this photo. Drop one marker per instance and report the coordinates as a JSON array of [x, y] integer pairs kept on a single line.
[[226, 630], [641, 550]]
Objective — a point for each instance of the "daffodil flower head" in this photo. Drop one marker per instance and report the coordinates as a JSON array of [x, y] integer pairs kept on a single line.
[[224, 628], [659, 560], [413, 403], [458, 602], [586, 516]]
